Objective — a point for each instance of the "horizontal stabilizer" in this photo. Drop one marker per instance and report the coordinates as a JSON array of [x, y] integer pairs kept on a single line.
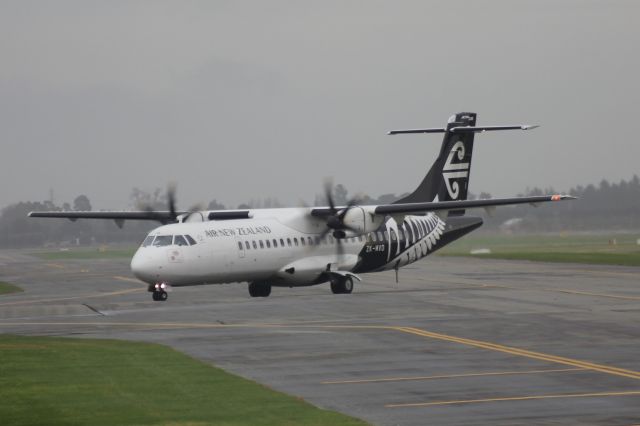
[[465, 204], [464, 129]]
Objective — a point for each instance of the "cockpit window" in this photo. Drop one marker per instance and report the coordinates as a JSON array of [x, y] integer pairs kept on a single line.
[[190, 239], [179, 240], [147, 241], [163, 240]]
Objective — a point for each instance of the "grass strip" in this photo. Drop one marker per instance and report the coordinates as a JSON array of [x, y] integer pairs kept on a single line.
[[86, 254], [622, 259], [6, 288], [47, 380], [613, 249]]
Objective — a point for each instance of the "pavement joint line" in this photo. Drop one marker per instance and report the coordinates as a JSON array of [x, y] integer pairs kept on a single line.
[[586, 293], [449, 376], [525, 353], [130, 280], [410, 330], [60, 299], [55, 265], [513, 398]]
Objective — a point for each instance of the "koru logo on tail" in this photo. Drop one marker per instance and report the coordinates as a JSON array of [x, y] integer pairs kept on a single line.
[[451, 171]]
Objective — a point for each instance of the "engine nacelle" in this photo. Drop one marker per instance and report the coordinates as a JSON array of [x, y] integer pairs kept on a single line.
[[362, 220]]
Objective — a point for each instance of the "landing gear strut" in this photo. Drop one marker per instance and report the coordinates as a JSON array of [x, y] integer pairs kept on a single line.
[[342, 285], [259, 289]]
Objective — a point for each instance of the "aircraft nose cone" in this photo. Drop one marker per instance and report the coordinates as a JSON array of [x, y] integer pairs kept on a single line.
[[142, 267]]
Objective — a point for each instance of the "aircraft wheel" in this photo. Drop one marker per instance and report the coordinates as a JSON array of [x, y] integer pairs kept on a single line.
[[266, 290], [259, 289], [155, 296], [342, 286], [347, 285], [163, 296]]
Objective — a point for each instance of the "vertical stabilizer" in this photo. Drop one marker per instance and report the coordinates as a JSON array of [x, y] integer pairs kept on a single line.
[[448, 178]]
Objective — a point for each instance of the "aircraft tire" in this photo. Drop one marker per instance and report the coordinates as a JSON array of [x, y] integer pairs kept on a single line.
[[342, 286], [163, 296], [254, 290], [266, 290], [155, 296], [259, 289], [347, 285]]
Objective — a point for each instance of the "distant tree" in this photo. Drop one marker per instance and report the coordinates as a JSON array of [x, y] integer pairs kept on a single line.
[[142, 199], [215, 205], [243, 206], [82, 203], [340, 195]]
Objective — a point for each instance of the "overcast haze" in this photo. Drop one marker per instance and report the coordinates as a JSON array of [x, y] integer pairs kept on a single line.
[[239, 100]]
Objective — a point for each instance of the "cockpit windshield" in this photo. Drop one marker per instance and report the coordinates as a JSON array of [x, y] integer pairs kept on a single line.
[[167, 240], [179, 240], [163, 240], [147, 241]]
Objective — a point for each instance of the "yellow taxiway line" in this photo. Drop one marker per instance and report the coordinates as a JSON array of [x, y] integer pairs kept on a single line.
[[448, 376], [525, 353], [513, 398], [615, 371]]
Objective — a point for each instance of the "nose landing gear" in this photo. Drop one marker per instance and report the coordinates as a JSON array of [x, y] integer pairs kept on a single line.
[[159, 292]]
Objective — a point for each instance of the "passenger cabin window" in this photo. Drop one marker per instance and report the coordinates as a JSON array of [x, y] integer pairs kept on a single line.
[[281, 242], [302, 241], [179, 240], [163, 240], [191, 240], [147, 241], [246, 244], [268, 243], [289, 242], [275, 243], [373, 237], [380, 237], [255, 246], [295, 241], [261, 244], [310, 241], [239, 245]]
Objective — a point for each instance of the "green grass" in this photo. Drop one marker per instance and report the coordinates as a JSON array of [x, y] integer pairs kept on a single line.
[[6, 288], [86, 253], [592, 249], [45, 380]]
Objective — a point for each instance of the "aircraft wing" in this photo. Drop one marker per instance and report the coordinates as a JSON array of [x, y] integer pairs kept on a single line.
[[450, 205], [465, 204], [118, 216]]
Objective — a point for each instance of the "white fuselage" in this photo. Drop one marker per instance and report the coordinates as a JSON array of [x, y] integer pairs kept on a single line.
[[282, 246]]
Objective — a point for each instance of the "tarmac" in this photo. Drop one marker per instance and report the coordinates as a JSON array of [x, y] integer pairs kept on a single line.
[[455, 342]]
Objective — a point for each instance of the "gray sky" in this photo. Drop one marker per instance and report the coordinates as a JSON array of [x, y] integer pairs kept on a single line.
[[237, 100]]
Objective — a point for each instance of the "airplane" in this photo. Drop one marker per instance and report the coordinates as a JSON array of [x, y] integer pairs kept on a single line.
[[306, 246]]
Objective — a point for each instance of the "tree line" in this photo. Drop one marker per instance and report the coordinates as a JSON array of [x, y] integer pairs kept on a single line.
[[606, 206]]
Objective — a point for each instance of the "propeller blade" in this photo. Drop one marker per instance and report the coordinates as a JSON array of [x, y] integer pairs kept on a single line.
[[328, 193], [171, 200]]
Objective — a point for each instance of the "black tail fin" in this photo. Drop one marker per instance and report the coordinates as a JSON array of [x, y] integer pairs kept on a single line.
[[448, 178]]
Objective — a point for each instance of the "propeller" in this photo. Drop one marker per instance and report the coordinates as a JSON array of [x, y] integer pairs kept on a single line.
[[335, 221], [173, 213]]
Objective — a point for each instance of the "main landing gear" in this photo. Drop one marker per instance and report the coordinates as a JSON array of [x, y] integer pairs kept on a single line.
[[259, 289], [342, 285], [159, 292]]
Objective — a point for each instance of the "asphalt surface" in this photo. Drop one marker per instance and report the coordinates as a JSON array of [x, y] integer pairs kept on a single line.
[[456, 342]]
